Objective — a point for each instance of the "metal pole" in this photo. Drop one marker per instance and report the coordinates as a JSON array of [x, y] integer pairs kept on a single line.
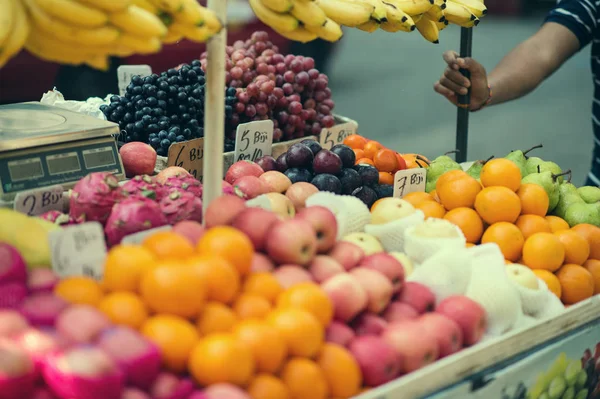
[[462, 119]]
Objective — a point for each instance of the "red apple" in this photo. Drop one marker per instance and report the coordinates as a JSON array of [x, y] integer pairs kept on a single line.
[[323, 267], [289, 275], [378, 287], [251, 186], [349, 255], [447, 333], [418, 296], [189, 229], [468, 314], [324, 223], [347, 295], [387, 265], [242, 168], [412, 343], [291, 241], [261, 263], [171, 171], [398, 311], [369, 324], [339, 333], [223, 210], [276, 181], [299, 192], [281, 205], [138, 159], [377, 359], [255, 223]]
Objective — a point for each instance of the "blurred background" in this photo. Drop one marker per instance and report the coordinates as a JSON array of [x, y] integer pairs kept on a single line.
[[384, 82]]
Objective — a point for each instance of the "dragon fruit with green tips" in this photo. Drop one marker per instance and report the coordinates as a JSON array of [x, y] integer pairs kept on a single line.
[[144, 186], [181, 205], [184, 183], [133, 215], [59, 218], [93, 197]]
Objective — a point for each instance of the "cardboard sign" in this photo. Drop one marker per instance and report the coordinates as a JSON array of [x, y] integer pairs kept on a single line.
[[253, 140], [188, 155], [336, 134], [137, 238], [126, 72], [408, 181], [78, 250], [41, 200]]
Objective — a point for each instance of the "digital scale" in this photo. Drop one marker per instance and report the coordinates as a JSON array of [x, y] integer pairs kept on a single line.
[[43, 146]]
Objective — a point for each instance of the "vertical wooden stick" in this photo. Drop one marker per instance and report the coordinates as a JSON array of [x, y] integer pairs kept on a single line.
[[214, 108], [462, 119]]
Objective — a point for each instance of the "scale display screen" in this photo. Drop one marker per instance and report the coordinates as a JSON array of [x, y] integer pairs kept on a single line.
[[98, 157], [63, 163], [25, 169]]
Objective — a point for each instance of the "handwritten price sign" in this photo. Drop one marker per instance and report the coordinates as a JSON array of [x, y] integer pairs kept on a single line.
[[35, 202], [408, 181], [253, 140], [126, 72], [337, 134], [188, 155]]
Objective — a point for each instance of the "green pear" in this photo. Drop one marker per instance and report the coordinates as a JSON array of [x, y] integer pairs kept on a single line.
[[548, 182], [583, 213], [475, 170], [568, 195], [549, 166], [589, 194], [438, 167], [531, 165], [519, 158]]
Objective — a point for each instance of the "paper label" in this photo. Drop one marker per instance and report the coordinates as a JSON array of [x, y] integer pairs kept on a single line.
[[188, 155], [408, 181], [41, 200], [126, 72], [78, 250], [336, 135], [137, 238], [253, 140]]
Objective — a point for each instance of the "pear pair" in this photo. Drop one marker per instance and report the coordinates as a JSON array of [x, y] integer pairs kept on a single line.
[[529, 165], [578, 205], [437, 168]]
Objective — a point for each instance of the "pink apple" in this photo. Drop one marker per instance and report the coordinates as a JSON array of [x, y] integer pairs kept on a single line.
[[133, 393], [291, 241], [225, 391], [379, 289], [223, 210], [190, 229], [339, 333], [398, 311], [170, 386], [138, 159], [387, 265], [418, 296], [251, 186], [349, 255], [255, 223], [240, 169], [289, 275], [11, 323], [41, 280], [261, 263], [81, 323], [323, 267], [14, 361], [447, 333], [412, 343], [377, 359], [299, 192], [324, 223], [468, 314], [171, 171], [276, 181], [369, 324], [349, 298], [281, 205]]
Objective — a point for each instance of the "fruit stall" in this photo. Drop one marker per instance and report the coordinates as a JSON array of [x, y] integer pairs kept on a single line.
[[216, 231]]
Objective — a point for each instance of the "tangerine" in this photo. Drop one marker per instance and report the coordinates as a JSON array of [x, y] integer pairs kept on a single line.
[[501, 172], [543, 251], [468, 221], [310, 297], [124, 266], [508, 237], [531, 224], [266, 386], [592, 234], [304, 379], [417, 197], [432, 209], [79, 290], [233, 245], [551, 281], [341, 370], [577, 283], [451, 175], [401, 161], [222, 280], [355, 141], [593, 266], [124, 308], [498, 204], [534, 199], [372, 148], [386, 178], [364, 160], [458, 193], [248, 306], [577, 249], [216, 318], [385, 161], [557, 223], [266, 343], [358, 153], [168, 245], [264, 285], [301, 330]]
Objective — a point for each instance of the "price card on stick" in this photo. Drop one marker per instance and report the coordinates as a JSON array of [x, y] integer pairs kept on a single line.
[[408, 181], [35, 202], [126, 72], [336, 134], [253, 140], [78, 250], [188, 155]]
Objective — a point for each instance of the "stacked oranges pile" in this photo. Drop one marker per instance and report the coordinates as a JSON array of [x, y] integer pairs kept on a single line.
[[497, 208], [216, 320]]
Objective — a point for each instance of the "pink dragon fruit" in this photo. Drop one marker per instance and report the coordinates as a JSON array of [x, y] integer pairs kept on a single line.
[[181, 205], [93, 197], [56, 217], [184, 183], [133, 215], [144, 186]]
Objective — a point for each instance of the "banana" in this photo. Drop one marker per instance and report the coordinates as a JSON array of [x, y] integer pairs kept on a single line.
[[476, 7], [442, 25], [278, 5], [18, 36], [412, 7], [428, 29], [309, 14], [281, 22], [108, 5], [300, 34], [397, 20], [146, 5], [331, 31], [417, 18], [350, 13], [170, 6], [191, 13], [436, 12], [172, 37], [211, 20], [370, 26], [74, 13], [141, 45], [98, 62], [137, 21], [460, 15], [7, 15], [379, 14], [194, 33]]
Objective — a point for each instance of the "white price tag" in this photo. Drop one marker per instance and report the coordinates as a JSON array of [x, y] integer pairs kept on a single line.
[[137, 238], [78, 250], [126, 72], [35, 202], [253, 140], [336, 135], [408, 181]]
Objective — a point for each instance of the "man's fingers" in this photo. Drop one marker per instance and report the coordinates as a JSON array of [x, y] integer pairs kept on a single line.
[[449, 94], [447, 83], [450, 58], [457, 77]]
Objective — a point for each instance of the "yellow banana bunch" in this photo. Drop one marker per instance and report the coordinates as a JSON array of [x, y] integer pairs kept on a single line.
[[436, 13], [428, 28], [460, 15], [14, 30], [476, 7], [412, 7], [347, 12], [397, 19]]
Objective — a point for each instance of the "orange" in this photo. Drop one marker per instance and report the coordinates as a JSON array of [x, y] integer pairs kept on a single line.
[[341, 370], [557, 223], [577, 249], [534, 199], [124, 266], [233, 245], [124, 308], [248, 306], [79, 290], [417, 197], [180, 291], [168, 245], [468, 221], [265, 386], [364, 161], [304, 379], [451, 175], [593, 266], [531, 224], [386, 178], [264, 285], [174, 336], [266, 344], [432, 209], [300, 329], [551, 281], [216, 318], [309, 297], [458, 193], [355, 141], [543, 251], [385, 160], [469, 245], [577, 283], [371, 149], [358, 154], [508, 237], [376, 203], [501, 172], [498, 204], [592, 234], [222, 280], [435, 196], [401, 162], [221, 358]]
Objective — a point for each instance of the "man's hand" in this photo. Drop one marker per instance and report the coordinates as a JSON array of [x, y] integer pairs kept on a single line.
[[453, 83]]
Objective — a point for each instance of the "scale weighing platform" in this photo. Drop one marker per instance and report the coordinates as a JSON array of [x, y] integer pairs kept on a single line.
[[43, 146]]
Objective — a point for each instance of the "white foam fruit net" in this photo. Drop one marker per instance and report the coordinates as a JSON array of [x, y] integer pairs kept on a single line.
[[421, 248], [352, 214], [391, 234]]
